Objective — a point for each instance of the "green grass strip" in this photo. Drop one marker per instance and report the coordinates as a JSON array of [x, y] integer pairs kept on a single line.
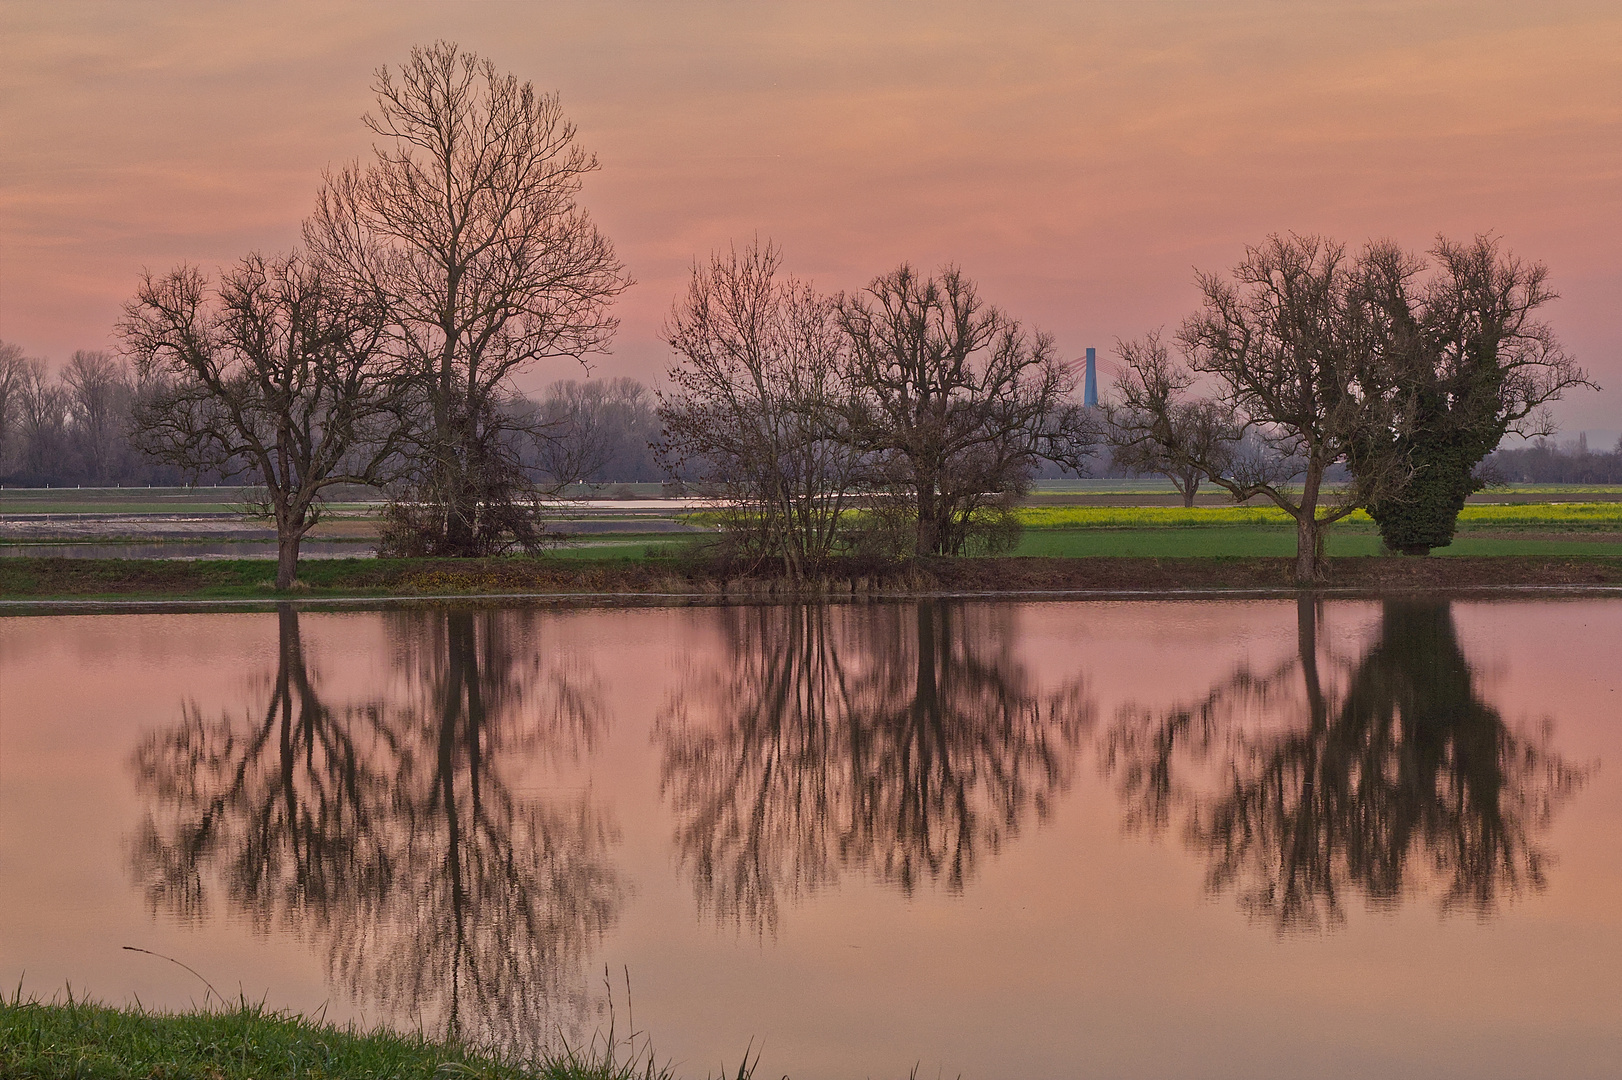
[[93, 1042], [76, 1040]]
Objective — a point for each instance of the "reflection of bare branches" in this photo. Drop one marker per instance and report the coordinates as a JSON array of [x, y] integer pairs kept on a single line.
[[279, 806], [1142, 749], [392, 836], [1409, 784], [886, 739]]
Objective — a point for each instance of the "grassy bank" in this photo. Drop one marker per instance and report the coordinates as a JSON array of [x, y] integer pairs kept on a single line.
[[251, 579], [80, 1041]]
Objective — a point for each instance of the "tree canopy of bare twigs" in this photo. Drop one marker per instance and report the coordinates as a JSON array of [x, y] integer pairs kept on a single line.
[[758, 406], [13, 373], [601, 429], [1286, 348], [272, 374], [1156, 429], [465, 225], [39, 418], [957, 400], [907, 745], [1464, 361], [99, 401]]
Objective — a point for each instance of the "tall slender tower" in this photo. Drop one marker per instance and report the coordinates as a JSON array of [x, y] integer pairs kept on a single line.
[[1089, 389]]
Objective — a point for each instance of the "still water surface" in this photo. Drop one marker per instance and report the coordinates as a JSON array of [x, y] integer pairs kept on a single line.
[[1152, 839]]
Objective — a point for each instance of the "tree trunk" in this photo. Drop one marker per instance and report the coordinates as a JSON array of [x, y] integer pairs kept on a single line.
[[1308, 531], [929, 536], [1187, 485], [287, 544], [1307, 567]]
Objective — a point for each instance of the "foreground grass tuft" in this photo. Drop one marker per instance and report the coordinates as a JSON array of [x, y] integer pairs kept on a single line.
[[76, 1040]]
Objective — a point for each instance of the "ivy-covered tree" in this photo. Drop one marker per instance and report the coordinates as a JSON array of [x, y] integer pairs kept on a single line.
[[1465, 362]]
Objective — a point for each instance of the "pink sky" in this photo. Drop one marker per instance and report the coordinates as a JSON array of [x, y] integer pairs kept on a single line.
[[1079, 160]]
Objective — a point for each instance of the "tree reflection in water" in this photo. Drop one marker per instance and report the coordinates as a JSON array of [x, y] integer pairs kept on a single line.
[[1405, 783], [392, 835], [905, 741]]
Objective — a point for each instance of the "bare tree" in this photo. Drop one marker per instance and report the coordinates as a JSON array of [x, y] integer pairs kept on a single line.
[[13, 372], [465, 225], [42, 419], [1155, 429], [100, 398], [400, 835], [602, 429], [957, 399], [757, 410], [273, 375], [1287, 347]]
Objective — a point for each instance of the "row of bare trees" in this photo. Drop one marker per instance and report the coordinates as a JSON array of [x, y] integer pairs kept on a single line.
[[913, 403], [72, 428], [386, 350], [1543, 461], [904, 418], [78, 427], [1406, 376]]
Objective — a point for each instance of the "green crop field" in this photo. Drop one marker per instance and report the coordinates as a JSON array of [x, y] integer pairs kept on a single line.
[[621, 545]]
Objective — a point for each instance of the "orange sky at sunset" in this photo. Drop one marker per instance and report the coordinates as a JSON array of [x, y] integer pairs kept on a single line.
[[1079, 160]]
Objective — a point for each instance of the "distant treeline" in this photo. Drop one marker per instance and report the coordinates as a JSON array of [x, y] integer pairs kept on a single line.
[[73, 428], [1543, 461], [76, 428]]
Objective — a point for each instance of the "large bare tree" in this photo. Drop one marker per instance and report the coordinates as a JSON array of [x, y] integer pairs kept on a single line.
[[1395, 779], [1286, 349], [273, 375], [465, 225], [400, 834], [958, 401], [756, 410], [905, 744]]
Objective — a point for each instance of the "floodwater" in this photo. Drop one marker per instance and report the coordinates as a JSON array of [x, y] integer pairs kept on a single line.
[[1114, 839]]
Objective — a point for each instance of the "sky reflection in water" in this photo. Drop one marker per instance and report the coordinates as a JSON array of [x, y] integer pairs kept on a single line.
[[462, 815]]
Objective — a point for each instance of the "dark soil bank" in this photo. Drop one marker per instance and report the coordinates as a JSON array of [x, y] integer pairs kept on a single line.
[[22, 579]]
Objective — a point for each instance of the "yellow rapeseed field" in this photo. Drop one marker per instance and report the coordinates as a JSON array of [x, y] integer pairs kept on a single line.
[[1574, 514]]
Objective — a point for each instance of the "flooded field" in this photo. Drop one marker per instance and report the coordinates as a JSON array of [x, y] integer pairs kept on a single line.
[[1138, 839]]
